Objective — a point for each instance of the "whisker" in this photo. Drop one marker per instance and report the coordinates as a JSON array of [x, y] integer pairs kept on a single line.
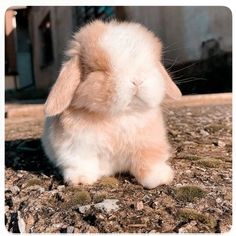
[[184, 67], [177, 77], [174, 63], [168, 59], [196, 78], [174, 49], [170, 45], [190, 79]]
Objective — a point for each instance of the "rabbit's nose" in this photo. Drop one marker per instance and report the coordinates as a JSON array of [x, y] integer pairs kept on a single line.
[[137, 82]]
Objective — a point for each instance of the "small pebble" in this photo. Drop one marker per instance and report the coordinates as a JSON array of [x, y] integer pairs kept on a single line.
[[221, 143], [61, 187], [83, 209], [188, 228], [179, 185], [15, 189], [218, 200], [204, 133], [100, 216], [108, 205], [139, 206], [70, 229], [190, 205], [58, 225], [21, 223]]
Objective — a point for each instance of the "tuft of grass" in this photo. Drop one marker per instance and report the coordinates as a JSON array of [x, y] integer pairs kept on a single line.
[[72, 189], [109, 182], [216, 128], [189, 193], [79, 197], [209, 163], [99, 197], [187, 215], [32, 182]]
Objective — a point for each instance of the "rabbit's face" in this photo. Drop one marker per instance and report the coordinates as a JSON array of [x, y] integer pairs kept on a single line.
[[118, 69]]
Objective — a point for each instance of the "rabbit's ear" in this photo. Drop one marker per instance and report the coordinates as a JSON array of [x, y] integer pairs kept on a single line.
[[171, 88], [63, 90]]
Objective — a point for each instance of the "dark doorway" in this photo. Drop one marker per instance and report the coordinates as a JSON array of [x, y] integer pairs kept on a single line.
[[23, 50]]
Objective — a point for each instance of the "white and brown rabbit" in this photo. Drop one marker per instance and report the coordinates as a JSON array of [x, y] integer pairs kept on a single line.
[[103, 113]]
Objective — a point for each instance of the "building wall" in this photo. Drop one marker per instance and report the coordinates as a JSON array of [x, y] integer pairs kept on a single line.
[[183, 29], [10, 49], [61, 20]]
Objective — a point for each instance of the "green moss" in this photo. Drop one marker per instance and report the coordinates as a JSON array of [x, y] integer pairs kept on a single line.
[[109, 181], [209, 163], [77, 198], [52, 201], [187, 215], [72, 189], [217, 128], [189, 193], [32, 182], [99, 197]]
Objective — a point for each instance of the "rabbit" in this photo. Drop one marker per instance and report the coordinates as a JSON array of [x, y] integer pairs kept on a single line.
[[103, 114]]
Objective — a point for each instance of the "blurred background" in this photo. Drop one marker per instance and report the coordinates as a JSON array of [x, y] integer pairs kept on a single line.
[[197, 44]]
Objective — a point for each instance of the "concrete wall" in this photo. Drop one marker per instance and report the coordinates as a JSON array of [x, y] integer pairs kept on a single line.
[[61, 20], [183, 29]]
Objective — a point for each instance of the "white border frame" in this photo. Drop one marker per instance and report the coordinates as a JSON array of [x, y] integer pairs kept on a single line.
[[8, 3]]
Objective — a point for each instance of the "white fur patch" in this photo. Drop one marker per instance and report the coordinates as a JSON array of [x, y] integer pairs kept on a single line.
[[161, 173], [133, 62]]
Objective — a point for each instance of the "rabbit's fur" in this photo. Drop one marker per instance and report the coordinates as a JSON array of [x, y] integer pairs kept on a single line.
[[103, 113]]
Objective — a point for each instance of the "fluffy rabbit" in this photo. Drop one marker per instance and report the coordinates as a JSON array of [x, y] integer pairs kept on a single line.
[[103, 114]]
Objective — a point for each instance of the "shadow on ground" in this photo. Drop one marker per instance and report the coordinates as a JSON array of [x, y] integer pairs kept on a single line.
[[28, 155]]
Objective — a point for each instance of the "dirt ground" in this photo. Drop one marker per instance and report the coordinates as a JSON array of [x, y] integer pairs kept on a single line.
[[198, 200]]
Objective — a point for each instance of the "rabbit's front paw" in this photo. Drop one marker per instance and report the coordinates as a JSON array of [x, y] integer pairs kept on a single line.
[[74, 177], [160, 173]]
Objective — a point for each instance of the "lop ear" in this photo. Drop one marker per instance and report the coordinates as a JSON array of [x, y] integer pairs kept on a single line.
[[63, 90], [171, 88]]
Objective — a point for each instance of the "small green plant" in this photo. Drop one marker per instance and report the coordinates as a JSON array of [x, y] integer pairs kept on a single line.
[[72, 189], [187, 215], [109, 181], [216, 128], [79, 197], [32, 182], [209, 163], [189, 193], [99, 197]]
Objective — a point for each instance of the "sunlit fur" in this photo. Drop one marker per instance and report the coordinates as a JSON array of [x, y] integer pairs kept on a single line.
[[103, 113]]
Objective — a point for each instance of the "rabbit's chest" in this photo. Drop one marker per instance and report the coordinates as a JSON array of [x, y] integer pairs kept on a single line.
[[118, 137]]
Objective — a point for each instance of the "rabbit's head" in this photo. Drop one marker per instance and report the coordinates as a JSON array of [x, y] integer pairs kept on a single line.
[[112, 68]]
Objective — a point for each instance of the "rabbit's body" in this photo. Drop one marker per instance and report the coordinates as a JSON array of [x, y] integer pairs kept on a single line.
[[98, 147], [105, 118]]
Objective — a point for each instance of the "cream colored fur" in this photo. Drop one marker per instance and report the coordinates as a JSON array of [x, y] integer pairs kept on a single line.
[[110, 120]]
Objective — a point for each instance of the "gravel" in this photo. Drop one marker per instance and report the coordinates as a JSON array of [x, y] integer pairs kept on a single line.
[[198, 200]]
